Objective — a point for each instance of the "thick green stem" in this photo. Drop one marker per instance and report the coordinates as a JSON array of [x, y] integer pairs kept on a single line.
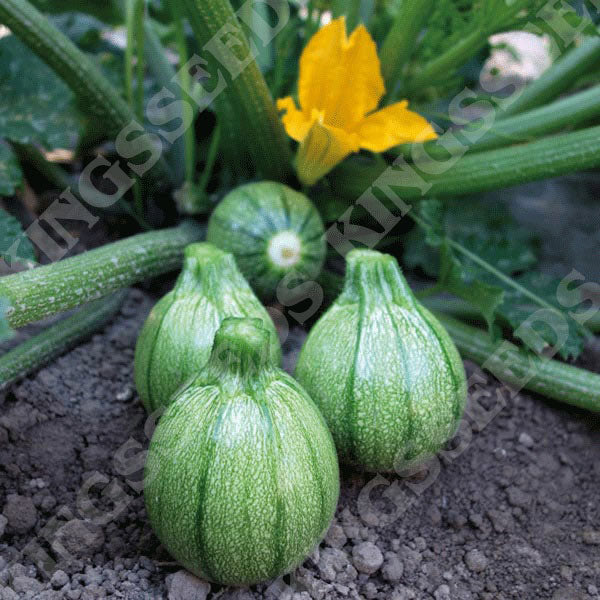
[[58, 338], [558, 78], [54, 288], [401, 40], [566, 113], [523, 369], [230, 58], [481, 172]]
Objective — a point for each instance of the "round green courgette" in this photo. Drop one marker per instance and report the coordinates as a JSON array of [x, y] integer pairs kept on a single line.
[[384, 372], [242, 478]]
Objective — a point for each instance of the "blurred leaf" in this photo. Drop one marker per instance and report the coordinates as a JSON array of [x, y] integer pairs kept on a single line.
[[10, 170], [36, 107], [6, 332], [493, 243], [464, 283], [83, 30], [485, 229], [14, 244], [517, 311]]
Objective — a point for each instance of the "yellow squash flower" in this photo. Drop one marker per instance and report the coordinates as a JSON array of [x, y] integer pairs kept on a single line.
[[339, 90]]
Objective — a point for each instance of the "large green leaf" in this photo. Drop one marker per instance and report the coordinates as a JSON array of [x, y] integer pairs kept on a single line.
[[519, 311], [473, 261], [36, 107], [464, 283], [14, 244], [10, 170], [487, 230]]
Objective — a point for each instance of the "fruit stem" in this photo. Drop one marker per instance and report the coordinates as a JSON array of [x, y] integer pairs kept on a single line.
[[371, 273], [241, 346]]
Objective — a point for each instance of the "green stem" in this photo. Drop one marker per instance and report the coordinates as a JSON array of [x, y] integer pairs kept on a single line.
[[523, 369], [140, 67], [186, 85], [569, 112], [401, 40], [129, 50], [135, 49], [248, 91], [558, 78], [57, 287], [211, 158], [57, 339], [481, 172], [164, 73], [96, 94]]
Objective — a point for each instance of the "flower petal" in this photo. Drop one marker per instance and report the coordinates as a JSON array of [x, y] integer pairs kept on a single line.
[[295, 122], [340, 77], [393, 125], [322, 149]]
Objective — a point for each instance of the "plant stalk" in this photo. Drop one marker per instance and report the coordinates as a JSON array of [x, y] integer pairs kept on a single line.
[[569, 113], [215, 24], [401, 40], [63, 285], [476, 173], [523, 369], [58, 338], [189, 137]]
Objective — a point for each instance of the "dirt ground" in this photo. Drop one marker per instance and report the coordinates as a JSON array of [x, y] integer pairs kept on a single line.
[[510, 509]]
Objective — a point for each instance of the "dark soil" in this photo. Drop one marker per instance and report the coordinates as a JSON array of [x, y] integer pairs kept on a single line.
[[512, 513]]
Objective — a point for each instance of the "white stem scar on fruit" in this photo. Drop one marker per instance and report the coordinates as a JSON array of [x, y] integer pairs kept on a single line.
[[285, 249]]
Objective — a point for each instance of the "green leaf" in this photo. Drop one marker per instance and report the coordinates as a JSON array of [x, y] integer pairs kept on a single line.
[[476, 261], [11, 176], [463, 283], [491, 233], [488, 231], [15, 246], [6, 332], [517, 311], [36, 107]]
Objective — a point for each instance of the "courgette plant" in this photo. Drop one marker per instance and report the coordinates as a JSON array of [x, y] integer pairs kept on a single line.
[[195, 86]]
